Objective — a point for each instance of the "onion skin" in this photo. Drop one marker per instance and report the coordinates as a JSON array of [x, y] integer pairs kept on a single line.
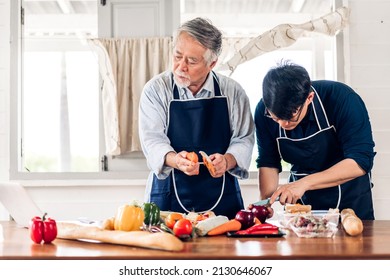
[[246, 218], [260, 211]]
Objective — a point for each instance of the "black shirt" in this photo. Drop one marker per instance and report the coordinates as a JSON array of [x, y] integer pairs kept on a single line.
[[345, 110]]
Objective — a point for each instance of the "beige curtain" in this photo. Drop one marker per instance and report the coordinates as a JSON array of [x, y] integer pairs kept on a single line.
[[125, 66]]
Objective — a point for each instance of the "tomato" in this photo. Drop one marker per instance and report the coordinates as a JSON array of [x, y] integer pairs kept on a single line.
[[192, 156], [182, 227], [172, 218]]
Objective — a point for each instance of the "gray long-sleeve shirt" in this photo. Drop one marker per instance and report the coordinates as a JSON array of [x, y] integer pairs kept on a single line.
[[153, 122]]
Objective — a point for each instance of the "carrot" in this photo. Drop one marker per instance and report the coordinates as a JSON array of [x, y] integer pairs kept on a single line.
[[231, 225], [192, 156]]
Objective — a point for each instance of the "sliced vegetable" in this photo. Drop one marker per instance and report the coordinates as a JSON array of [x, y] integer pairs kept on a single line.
[[260, 228], [204, 226], [263, 231], [129, 218], [151, 213], [208, 163], [231, 225]]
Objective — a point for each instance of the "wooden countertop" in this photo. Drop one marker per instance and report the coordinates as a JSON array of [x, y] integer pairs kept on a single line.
[[373, 243]]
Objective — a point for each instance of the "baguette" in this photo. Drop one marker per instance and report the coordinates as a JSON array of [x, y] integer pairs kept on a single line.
[[144, 239], [108, 224], [297, 208], [351, 223]]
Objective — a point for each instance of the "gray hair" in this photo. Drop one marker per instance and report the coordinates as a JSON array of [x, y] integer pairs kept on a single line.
[[206, 34]]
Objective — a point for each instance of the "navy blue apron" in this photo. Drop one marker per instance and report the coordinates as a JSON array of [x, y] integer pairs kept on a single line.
[[318, 152], [199, 125]]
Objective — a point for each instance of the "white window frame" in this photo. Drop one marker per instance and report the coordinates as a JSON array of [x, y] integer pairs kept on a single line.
[[16, 124], [15, 120]]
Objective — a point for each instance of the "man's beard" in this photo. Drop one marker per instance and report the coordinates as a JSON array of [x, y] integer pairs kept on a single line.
[[182, 79]]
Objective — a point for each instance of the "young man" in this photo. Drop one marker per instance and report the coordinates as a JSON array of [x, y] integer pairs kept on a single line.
[[322, 129]]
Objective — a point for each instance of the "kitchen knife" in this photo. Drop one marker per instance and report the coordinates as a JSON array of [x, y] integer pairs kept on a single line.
[[264, 202], [207, 162]]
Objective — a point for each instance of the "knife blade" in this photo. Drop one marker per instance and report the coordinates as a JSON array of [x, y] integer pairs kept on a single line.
[[264, 202]]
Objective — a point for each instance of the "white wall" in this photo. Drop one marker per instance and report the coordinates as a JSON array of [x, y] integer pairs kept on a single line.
[[4, 85], [96, 200], [4, 92], [367, 71], [368, 64]]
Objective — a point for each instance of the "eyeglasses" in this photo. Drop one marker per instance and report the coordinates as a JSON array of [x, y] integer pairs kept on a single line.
[[293, 119]]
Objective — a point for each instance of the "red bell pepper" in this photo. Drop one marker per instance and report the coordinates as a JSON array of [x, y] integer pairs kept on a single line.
[[43, 229], [260, 229]]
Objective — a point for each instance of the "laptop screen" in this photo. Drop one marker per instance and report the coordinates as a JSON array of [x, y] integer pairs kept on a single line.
[[18, 203]]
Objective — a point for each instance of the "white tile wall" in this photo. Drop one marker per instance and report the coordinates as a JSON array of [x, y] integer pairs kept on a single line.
[[380, 55], [381, 139], [369, 10], [364, 33], [370, 76], [4, 93], [375, 97], [380, 118], [4, 86], [381, 169]]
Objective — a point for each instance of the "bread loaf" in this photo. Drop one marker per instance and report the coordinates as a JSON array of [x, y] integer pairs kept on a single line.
[[108, 224], [351, 223], [145, 239]]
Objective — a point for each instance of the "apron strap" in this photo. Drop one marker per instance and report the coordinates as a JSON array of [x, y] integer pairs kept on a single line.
[[317, 99], [181, 204]]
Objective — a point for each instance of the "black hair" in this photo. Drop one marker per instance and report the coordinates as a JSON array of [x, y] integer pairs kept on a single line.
[[285, 89]]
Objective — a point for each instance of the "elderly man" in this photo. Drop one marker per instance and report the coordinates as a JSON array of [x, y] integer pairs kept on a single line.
[[191, 108]]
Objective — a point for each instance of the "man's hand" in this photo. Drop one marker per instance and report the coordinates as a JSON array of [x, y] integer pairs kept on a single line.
[[187, 166], [220, 163], [289, 193]]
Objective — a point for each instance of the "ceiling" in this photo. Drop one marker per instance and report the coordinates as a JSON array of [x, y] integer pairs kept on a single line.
[[255, 6], [72, 17], [188, 6]]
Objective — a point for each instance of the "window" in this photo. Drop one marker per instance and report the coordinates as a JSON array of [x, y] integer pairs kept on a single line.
[[243, 21], [59, 120], [60, 87]]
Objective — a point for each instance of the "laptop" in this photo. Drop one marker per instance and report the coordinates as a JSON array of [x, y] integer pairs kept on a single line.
[[18, 203]]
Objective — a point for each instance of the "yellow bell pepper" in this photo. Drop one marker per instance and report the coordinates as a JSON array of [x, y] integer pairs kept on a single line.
[[129, 218]]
